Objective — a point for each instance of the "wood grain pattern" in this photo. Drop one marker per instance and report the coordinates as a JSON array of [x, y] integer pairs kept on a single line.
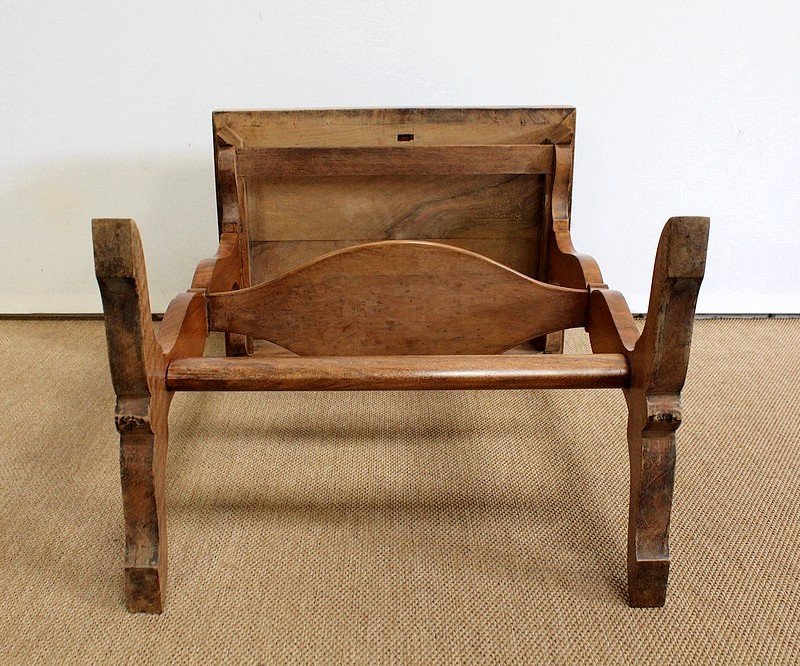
[[398, 373], [304, 218], [138, 375], [560, 262], [394, 207], [232, 219], [222, 271], [229, 187], [183, 330], [658, 365], [273, 259], [138, 364], [567, 266], [401, 313], [611, 326], [659, 359], [373, 208], [226, 270], [402, 160], [399, 297], [380, 127], [564, 134]]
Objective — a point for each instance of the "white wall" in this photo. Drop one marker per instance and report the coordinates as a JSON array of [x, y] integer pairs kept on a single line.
[[683, 108]]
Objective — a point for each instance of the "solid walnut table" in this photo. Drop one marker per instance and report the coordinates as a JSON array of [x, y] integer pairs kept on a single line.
[[394, 249]]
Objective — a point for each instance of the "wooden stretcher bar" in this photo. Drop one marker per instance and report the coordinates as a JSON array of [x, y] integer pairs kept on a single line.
[[398, 373]]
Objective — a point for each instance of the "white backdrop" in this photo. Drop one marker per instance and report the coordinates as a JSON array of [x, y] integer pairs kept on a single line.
[[684, 107]]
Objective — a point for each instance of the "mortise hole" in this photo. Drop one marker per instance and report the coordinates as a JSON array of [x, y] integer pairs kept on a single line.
[[405, 137]]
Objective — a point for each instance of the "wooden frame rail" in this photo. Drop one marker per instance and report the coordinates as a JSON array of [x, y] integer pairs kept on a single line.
[[398, 373], [395, 160]]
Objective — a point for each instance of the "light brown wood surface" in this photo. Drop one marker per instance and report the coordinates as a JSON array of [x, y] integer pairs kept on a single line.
[[659, 359], [138, 375], [380, 127], [234, 252], [567, 266], [399, 297], [392, 373], [271, 259], [223, 271], [183, 330], [399, 160], [138, 361], [394, 207], [284, 194], [658, 371], [399, 312], [295, 220]]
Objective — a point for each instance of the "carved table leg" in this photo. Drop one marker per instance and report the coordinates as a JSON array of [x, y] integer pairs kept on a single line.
[[658, 369], [143, 452], [138, 374], [651, 445]]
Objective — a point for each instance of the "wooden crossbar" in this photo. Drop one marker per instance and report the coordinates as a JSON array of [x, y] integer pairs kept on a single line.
[[395, 160], [397, 373], [368, 300]]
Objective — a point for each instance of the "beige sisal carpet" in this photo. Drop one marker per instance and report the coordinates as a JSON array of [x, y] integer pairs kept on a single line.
[[443, 527]]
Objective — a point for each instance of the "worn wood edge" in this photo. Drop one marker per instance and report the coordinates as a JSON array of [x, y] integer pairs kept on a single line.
[[227, 136], [566, 265], [138, 358], [564, 133], [610, 324], [134, 354], [184, 329], [338, 373], [223, 270], [429, 111], [465, 118], [659, 362], [138, 370], [678, 272]]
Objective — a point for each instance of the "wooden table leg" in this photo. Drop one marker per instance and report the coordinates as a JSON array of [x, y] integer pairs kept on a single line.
[[138, 375], [658, 370]]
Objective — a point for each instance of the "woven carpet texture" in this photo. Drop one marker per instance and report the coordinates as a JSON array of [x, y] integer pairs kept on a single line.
[[416, 527]]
